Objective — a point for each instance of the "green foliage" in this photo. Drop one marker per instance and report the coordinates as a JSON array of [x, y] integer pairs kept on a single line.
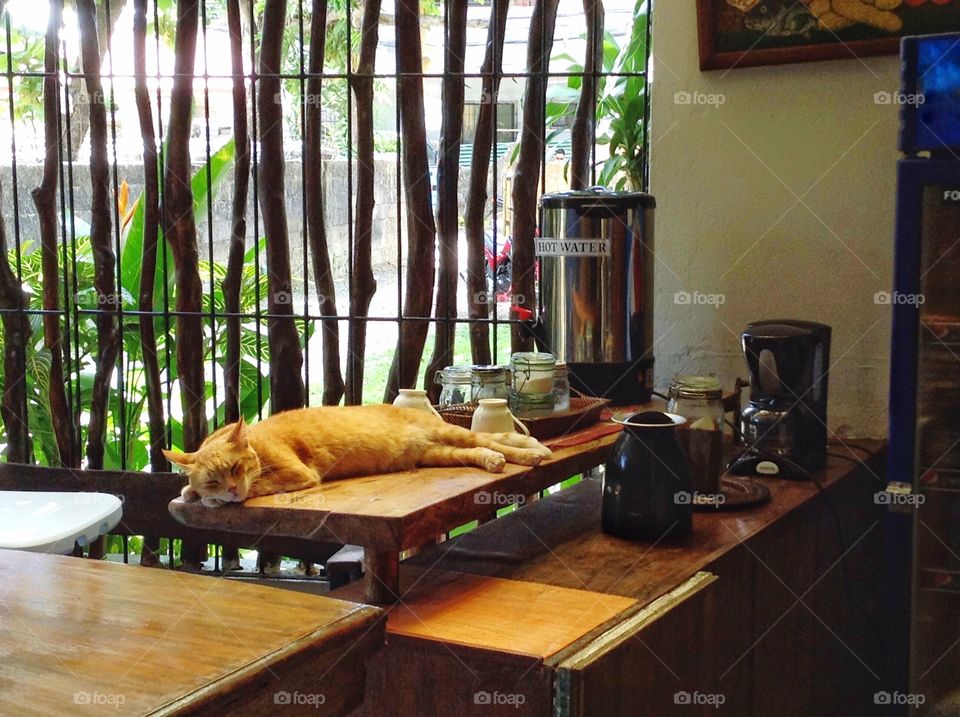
[[127, 442], [621, 104]]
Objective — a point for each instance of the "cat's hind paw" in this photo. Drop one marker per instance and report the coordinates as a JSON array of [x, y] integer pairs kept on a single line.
[[495, 462]]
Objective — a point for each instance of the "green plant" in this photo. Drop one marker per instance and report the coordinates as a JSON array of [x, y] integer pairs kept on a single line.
[[127, 443], [621, 104]]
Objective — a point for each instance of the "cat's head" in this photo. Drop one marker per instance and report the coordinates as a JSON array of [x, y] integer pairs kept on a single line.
[[221, 470]]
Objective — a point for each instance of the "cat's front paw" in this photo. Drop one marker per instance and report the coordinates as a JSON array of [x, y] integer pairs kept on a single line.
[[211, 502], [495, 463], [189, 494]]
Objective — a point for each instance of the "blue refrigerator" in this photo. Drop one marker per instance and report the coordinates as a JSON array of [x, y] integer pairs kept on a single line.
[[924, 459]]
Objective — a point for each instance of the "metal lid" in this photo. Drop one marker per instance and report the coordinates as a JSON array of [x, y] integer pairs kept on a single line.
[[696, 387], [488, 371], [598, 198], [454, 374], [533, 358], [648, 419]]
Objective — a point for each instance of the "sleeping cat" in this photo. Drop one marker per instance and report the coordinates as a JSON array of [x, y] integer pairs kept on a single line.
[[297, 449]]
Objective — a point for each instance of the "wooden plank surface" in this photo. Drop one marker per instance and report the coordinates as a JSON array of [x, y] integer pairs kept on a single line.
[[395, 511], [558, 541], [88, 637], [507, 616]]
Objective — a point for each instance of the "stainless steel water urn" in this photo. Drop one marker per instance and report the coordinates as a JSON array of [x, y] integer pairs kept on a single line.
[[596, 290]]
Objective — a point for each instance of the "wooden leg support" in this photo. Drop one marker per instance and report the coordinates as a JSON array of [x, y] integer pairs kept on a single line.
[[381, 576]]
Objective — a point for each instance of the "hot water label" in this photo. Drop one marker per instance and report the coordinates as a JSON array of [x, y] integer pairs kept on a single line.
[[548, 246]]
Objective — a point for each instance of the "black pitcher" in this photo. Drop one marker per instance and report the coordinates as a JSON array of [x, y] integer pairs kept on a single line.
[[647, 489]]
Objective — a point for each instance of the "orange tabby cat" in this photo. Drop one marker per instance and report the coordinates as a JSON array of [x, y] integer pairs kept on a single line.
[[298, 449]]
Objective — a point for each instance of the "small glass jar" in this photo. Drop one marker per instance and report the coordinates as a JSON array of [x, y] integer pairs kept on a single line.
[[533, 373], [561, 387], [699, 399], [696, 398], [455, 383], [488, 382]]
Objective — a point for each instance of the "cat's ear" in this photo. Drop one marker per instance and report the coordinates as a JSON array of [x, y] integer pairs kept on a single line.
[[180, 458], [238, 436]]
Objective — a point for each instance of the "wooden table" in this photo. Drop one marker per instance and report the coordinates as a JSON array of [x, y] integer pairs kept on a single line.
[[387, 514], [91, 637], [714, 613]]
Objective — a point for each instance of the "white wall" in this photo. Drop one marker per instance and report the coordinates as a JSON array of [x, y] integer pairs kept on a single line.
[[781, 200]]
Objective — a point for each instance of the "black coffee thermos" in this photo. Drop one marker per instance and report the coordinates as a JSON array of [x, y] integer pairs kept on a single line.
[[647, 489]]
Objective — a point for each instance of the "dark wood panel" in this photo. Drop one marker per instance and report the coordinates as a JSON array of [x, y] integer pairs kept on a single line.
[[463, 682], [657, 662]]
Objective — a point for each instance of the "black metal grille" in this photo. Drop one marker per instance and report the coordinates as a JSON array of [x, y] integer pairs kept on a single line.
[[127, 446]]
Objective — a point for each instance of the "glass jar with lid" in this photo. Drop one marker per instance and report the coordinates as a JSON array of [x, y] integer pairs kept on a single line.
[[455, 385], [699, 399], [488, 382], [533, 373]]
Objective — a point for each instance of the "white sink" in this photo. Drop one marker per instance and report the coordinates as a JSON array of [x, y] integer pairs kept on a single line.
[[52, 522]]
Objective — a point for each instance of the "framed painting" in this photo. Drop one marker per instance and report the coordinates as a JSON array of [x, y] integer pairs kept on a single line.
[[746, 33]]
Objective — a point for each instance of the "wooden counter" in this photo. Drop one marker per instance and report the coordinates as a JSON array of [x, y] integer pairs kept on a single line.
[[387, 514], [85, 637], [755, 610]]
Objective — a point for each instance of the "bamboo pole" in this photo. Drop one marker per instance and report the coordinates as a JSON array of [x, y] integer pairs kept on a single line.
[[316, 229], [180, 231], [238, 229], [364, 284], [480, 303], [151, 245], [101, 214], [448, 179], [526, 177], [286, 356], [582, 132], [45, 200], [421, 230], [16, 337]]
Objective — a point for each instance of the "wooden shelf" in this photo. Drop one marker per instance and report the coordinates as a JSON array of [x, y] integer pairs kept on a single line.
[[390, 513]]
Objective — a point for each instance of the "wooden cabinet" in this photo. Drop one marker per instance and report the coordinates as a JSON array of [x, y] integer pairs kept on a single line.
[[632, 667], [769, 611]]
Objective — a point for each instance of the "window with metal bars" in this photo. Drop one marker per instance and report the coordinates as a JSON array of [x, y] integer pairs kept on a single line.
[[234, 207]]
